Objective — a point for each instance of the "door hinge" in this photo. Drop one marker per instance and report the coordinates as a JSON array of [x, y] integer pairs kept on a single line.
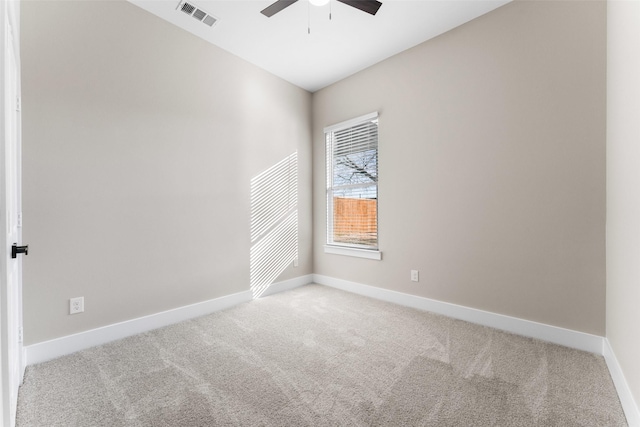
[[18, 104], [20, 335], [19, 219]]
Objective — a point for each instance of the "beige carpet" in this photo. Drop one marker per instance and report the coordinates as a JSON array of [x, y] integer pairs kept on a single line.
[[316, 356]]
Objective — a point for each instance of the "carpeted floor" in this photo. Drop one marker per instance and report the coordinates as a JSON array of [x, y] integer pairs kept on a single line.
[[316, 356]]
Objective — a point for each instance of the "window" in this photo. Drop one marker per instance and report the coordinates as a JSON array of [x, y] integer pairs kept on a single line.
[[352, 184]]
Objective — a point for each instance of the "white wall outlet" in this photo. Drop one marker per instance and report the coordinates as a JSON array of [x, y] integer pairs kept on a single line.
[[295, 262], [76, 305], [414, 276]]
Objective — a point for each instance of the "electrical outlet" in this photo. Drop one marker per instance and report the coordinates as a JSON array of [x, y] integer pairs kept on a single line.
[[295, 262], [76, 305], [414, 276]]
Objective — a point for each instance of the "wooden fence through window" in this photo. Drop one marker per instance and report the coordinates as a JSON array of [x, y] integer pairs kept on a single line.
[[355, 221]]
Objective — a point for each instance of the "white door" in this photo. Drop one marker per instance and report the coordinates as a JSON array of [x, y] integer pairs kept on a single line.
[[11, 354]]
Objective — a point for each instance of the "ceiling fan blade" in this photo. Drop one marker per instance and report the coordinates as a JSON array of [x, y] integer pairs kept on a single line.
[[369, 6], [276, 7]]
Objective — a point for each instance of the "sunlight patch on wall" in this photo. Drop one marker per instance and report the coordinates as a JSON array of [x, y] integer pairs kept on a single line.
[[274, 223]]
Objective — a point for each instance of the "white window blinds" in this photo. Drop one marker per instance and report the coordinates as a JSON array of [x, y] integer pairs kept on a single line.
[[352, 183]]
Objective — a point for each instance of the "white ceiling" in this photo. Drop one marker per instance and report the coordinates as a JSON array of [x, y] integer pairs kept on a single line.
[[351, 41]]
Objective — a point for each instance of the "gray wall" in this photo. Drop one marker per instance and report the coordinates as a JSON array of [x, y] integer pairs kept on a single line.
[[492, 165], [623, 185], [139, 144]]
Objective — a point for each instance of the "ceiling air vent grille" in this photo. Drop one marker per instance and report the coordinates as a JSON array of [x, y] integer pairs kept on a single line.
[[209, 20], [197, 13], [187, 8]]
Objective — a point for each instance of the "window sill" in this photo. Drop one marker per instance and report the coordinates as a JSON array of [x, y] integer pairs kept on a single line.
[[359, 253]]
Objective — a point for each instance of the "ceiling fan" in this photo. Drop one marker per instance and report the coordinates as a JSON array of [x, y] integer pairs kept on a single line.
[[369, 6]]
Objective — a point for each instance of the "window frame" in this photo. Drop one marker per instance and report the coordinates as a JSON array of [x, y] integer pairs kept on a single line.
[[342, 248]]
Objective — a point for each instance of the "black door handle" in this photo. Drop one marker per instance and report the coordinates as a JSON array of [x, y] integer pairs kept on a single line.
[[15, 250]]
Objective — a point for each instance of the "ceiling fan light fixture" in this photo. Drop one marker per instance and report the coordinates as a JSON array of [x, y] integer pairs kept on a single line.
[[369, 6], [318, 2]]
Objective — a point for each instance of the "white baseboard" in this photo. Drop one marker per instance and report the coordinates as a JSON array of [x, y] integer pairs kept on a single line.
[[287, 285], [41, 352], [631, 410], [527, 328]]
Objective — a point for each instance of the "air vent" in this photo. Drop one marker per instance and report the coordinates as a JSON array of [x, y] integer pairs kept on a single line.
[[197, 13], [187, 8], [209, 20]]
